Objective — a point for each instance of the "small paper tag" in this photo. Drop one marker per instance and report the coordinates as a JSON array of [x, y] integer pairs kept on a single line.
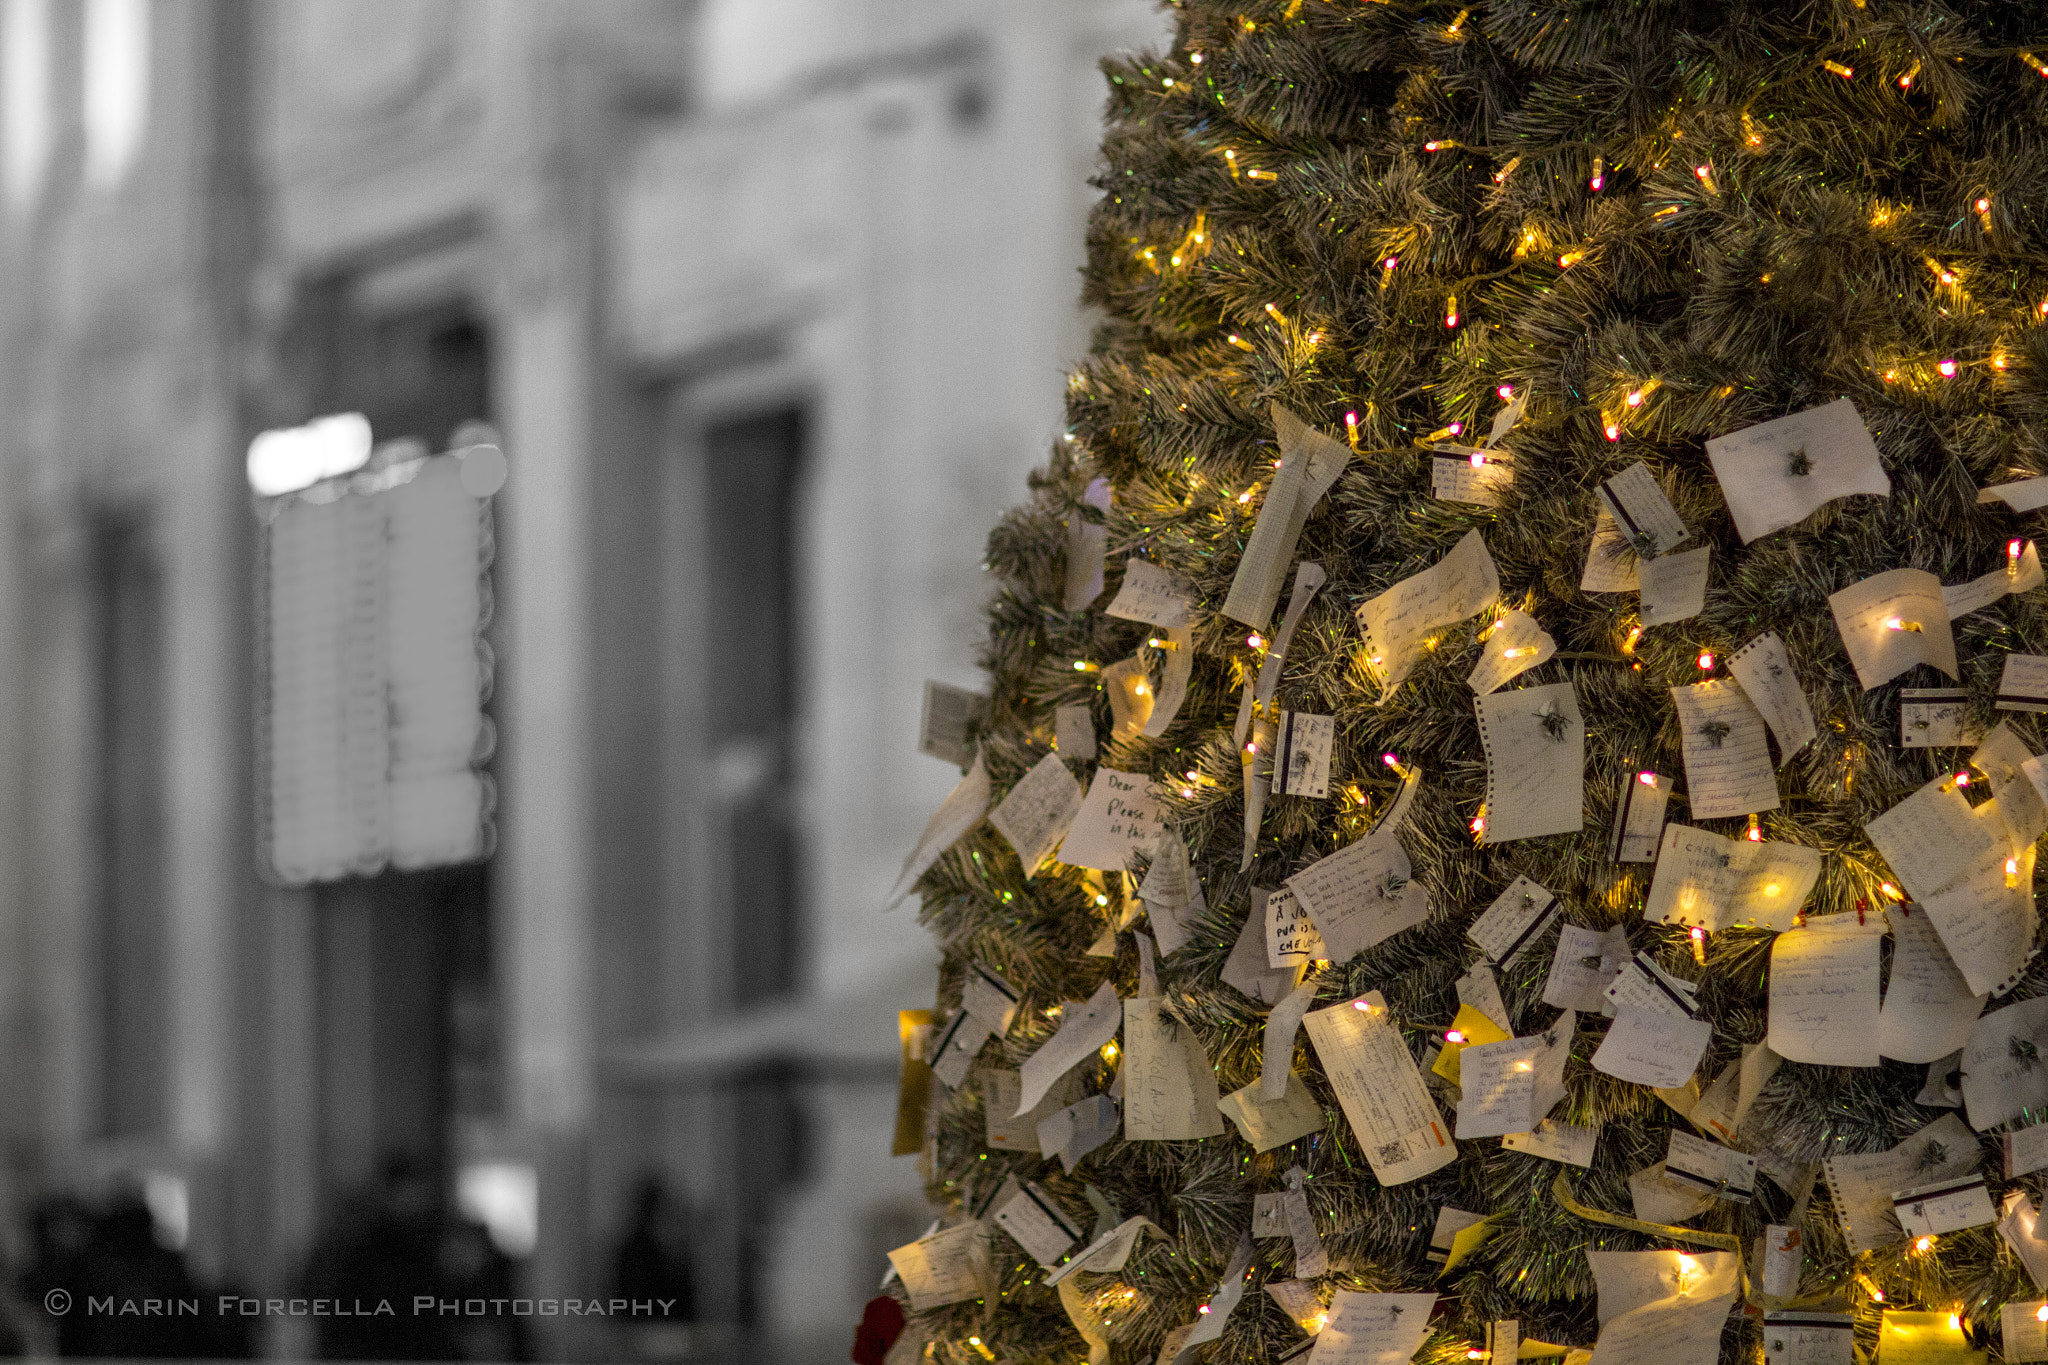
[[1301, 754], [1944, 1206], [1038, 1224], [1646, 517], [1611, 565], [1720, 1171], [2026, 1149], [1449, 1223], [1936, 718], [1809, 1339], [989, 998], [1504, 1340], [1515, 920], [956, 1047], [1639, 817], [1269, 1214], [1674, 587], [1554, 1141], [1291, 937], [1514, 645], [1784, 1256], [1073, 729], [1469, 476], [2023, 686], [1152, 594], [949, 712], [2025, 1328]]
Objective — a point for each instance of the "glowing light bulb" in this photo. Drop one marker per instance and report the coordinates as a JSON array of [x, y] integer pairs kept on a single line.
[[1925, 1244], [1362, 1006], [1755, 831], [1599, 179], [1571, 258], [1947, 367], [1453, 1036], [1241, 343], [1983, 206], [1845, 72], [1506, 392], [1390, 760], [1451, 311], [1389, 263], [1705, 661], [1456, 428], [1613, 432], [1891, 892], [2012, 557], [1635, 398], [1255, 640], [1647, 779], [2012, 872], [1628, 646], [1478, 460]]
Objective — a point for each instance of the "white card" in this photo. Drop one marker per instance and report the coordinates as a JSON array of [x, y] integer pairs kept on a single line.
[[1639, 817], [1121, 818], [1653, 1048], [1553, 1141], [1824, 992], [1481, 991], [1470, 477], [1038, 1224], [1944, 1206], [1301, 754], [1309, 463], [1007, 1130], [1942, 1086], [1399, 620], [1809, 1338], [2025, 495], [2025, 1149], [1169, 1085], [1987, 926], [2003, 758], [958, 1044], [1511, 1086], [1648, 522], [1449, 1223], [1311, 1258], [1380, 1088], [1362, 894], [1721, 1172], [1229, 1290], [1935, 718], [2019, 1228], [1535, 744], [1291, 937], [1929, 1008], [2024, 1325], [1110, 1249], [1727, 759], [1658, 1200], [1073, 730], [1086, 543], [946, 1267], [1782, 1259], [1150, 593], [2005, 1064], [1764, 668], [2023, 684], [1585, 962], [1862, 1185], [1276, 1051], [1515, 645], [1674, 587], [1171, 892], [1515, 920], [959, 812], [943, 724], [1269, 1215], [1643, 985], [1083, 1029], [1780, 472], [1933, 837], [1892, 621], [1373, 1329], [989, 998], [1267, 1124], [1611, 566], [2019, 575], [1504, 1340], [1075, 1131], [1681, 1326], [1706, 880], [1036, 814]]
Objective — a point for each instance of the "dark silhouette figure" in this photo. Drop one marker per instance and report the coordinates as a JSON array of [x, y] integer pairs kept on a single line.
[[653, 1259], [382, 1249]]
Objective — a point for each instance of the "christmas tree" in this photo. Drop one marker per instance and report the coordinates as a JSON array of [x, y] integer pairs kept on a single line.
[[1512, 710]]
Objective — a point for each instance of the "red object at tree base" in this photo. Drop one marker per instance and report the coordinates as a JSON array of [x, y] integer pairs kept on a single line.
[[879, 1327]]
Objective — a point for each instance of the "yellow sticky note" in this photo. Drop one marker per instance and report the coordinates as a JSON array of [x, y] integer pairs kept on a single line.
[[1471, 1027], [1924, 1339], [1467, 1240], [1533, 1350], [914, 1081]]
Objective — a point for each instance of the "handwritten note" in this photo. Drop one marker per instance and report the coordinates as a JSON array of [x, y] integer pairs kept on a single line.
[[1515, 920], [1893, 621], [949, 712], [2024, 1149], [989, 997], [1469, 476], [1449, 1223], [1361, 895], [958, 1044], [1721, 1172], [2025, 495], [1703, 879], [1780, 472], [1511, 1086], [1929, 1008], [1643, 985], [2003, 758], [1150, 593], [1782, 1252], [947, 1267], [1653, 1048], [1399, 620], [1657, 1199], [1121, 817], [1479, 990], [1083, 1029], [1585, 964], [2023, 683], [2020, 1229], [1169, 1086], [2023, 1325], [1515, 645], [1648, 521], [1986, 917], [1809, 1338], [1075, 1131], [1724, 1104], [1764, 668], [1110, 1249], [1824, 992], [1373, 1329], [1309, 463], [1924, 1339], [1291, 938], [1037, 1223], [1674, 587], [1036, 814], [1944, 1206], [1611, 566], [1301, 754], [1381, 1090], [1565, 1143], [1932, 837], [959, 812], [2004, 1072], [1535, 742], [1662, 1307], [2020, 575], [1639, 817], [1861, 1185], [1009, 1130], [1267, 1124], [1171, 892], [1727, 759], [1935, 718]]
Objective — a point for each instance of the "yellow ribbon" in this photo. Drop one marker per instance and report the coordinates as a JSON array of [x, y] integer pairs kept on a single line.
[[1562, 1188]]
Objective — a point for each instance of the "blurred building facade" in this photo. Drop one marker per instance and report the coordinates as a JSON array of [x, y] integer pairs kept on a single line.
[[771, 301]]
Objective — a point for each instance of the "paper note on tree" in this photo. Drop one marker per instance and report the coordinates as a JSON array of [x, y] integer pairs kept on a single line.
[[1727, 758], [1398, 621], [1824, 992], [1121, 817], [1535, 742], [1036, 814], [1778, 473], [1380, 1088]]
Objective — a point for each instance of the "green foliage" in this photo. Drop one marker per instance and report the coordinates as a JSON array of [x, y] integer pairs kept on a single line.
[[1769, 234]]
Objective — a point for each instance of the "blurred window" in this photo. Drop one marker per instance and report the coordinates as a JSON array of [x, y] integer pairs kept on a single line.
[[116, 105], [26, 132]]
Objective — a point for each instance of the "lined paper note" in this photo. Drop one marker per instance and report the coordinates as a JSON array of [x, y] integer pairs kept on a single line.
[[1511, 1086], [1169, 1086], [1361, 895], [1083, 1029], [1380, 1088], [1935, 718], [1653, 1048], [1824, 992], [1036, 814], [1468, 475], [947, 1267], [1309, 463], [1301, 754], [1862, 1185], [1535, 744], [1727, 759], [1373, 1329], [1648, 522], [1291, 937], [1706, 880], [1121, 817], [2003, 758], [2004, 1071], [2021, 575], [1611, 566], [1778, 473], [1639, 817], [1764, 668], [1516, 919], [1932, 837], [1399, 620], [1893, 621], [1515, 645], [959, 812], [1928, 1009], [1150, 593], [1674, 587]]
